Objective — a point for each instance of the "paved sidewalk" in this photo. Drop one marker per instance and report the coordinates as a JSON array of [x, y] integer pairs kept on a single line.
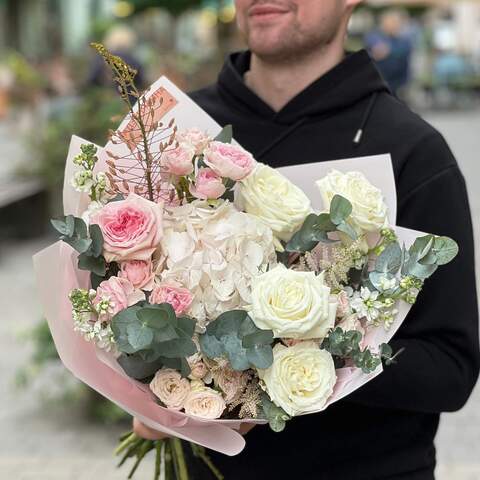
[[55, 445]]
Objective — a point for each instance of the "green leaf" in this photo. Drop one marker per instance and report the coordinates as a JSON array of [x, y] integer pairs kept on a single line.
[[226, 135], [390, 260], [96, 280], [211, 346], [324, 223], [261, 337], [157, 318], [80, 228], [92, 264], [139, 335], [234, 335], [421, 247], [446, 250], [346, 228], [136, 367], [340, 209], [119, 325], [70, 224], [309, 235], [60, 226], [176, 348], [276, 416], [260, 355], [422, 271], [186, 325], [81, 245], [179, 364], [97, 240]]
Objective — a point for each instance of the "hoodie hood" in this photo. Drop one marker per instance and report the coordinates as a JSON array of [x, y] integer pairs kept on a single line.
[[350, 82]]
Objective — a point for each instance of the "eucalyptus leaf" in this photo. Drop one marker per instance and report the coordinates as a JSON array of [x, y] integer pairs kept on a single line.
[[92, 264], [276, 416], [60, 226], [260, 355], [446, 250], [136, 367], [70, 225], [139, 335], [80, 229], [97, 240], [179, 347], [422, 271], [346, 228], [226, 135], [421, 247], [340, 209], [81, 245], [390, 260]]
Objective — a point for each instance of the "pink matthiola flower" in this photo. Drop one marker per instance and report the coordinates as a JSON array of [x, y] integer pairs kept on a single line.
[[229, 161], [131, 228], [179, 161], [208, 185], [178, 297], [138, 272], [119, 292]]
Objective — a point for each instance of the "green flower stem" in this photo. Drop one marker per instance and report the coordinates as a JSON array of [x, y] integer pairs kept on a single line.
[[179, 459], [125, 441], [144, 448], [200, 453], [159, 446]]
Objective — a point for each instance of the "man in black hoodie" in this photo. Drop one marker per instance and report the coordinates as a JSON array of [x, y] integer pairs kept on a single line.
[[296, 97]]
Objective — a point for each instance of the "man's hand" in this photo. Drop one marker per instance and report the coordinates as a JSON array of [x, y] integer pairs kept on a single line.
[[148, 433]]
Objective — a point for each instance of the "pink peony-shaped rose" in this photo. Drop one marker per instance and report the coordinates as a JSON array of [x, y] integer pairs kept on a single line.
[[229, 161], [131, 228], [138, 272], [178, 297], [120, 294], [194, 138], [179, 161], [208, 185]]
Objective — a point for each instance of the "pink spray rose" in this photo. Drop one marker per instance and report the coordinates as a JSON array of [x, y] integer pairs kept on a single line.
[[131, 228], [195, 138], [178, 297], [208, 185], [138, 272], [179, 161], [119, 292], [229, 161]]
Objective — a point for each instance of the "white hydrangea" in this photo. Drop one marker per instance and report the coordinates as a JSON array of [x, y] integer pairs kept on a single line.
[[215, 252]]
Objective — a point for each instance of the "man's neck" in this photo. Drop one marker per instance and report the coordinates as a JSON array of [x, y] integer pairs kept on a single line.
[[278, 83]]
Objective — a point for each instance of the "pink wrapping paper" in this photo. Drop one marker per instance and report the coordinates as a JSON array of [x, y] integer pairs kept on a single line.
[[57, 275]]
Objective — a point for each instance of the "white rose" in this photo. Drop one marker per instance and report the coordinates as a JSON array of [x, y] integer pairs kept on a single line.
[[369, 209], [301, 378], [204, 402], [293, 304], [170, 388], [276, 201]]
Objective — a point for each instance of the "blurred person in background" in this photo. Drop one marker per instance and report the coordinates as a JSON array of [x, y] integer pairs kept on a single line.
[[296, 97], [391, 47], [121, 41]]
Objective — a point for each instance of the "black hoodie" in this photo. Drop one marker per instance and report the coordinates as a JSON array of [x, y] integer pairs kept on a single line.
[[385, 429]]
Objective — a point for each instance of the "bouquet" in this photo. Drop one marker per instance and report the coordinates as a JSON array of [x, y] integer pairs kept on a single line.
[[200, 290]]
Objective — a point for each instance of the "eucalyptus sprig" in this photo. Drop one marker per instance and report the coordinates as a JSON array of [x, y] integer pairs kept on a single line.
[[346, 345], [316, 228]]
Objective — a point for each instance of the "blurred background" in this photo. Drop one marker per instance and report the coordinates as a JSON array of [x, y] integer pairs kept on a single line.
[[51, 85]]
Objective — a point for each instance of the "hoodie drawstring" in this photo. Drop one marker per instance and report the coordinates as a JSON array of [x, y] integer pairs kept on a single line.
[[366, 115]]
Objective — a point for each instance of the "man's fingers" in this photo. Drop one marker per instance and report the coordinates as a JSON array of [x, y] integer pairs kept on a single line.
[[148, 433]]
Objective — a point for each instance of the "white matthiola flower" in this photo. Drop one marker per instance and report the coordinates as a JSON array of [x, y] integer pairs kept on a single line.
[[388, 284], [83, 181], [365, 304]]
